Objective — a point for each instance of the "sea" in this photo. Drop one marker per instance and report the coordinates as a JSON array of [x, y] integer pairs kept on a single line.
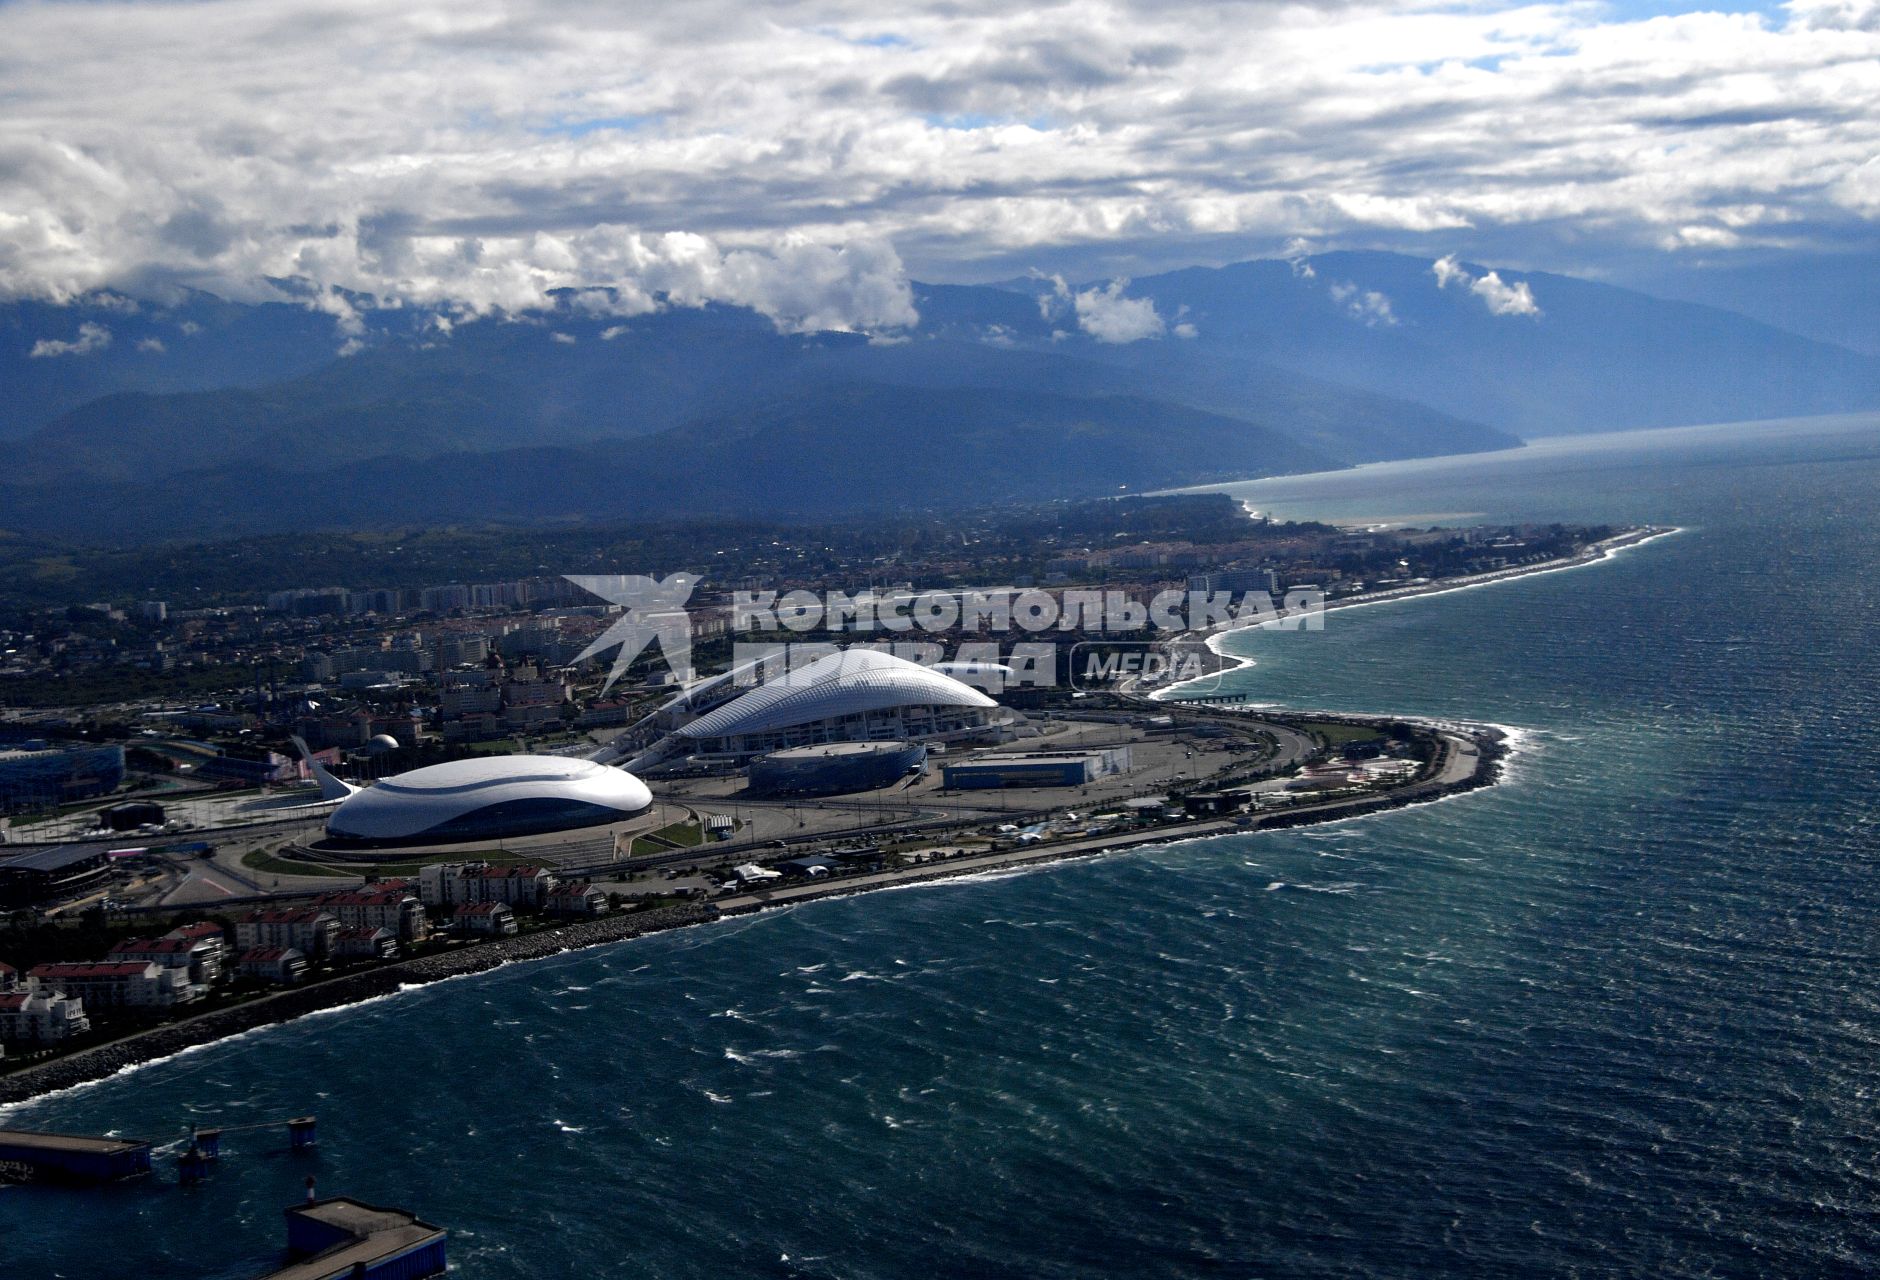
[[1617, 1016]]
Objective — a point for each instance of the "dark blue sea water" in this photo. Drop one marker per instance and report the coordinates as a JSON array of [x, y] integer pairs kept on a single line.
[[1618, 1016]]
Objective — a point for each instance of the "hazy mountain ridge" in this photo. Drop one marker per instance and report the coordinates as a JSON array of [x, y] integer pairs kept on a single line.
[[1255, 368], [1564, 355], [820, 453]]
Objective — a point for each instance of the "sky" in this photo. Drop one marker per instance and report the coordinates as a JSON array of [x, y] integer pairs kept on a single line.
[[808, 159]]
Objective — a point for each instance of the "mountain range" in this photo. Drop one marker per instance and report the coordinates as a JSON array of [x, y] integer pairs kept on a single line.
[[128, 420]]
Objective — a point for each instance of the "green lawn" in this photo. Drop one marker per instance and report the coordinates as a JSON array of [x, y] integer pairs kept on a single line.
[[686, 835], [262, 860], [1337, 735], [495, 857]]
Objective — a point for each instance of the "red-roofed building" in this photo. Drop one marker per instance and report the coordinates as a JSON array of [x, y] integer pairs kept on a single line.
[[375, 908], [484, 919], [38, 1017], [308, 930], [363, 942], [513, 886], [200, 959], [117, 984], [576, 898], [283, 965], [448, 884], [200, 931]]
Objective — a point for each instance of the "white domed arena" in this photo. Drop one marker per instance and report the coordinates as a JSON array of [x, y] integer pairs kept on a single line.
[[856, 695], [490, 798]]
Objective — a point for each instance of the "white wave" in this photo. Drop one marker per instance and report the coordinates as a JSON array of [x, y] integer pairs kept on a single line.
[[403, 990], [1600, 557]]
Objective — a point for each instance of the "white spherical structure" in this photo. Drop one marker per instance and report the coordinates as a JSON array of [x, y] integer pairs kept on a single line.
[[489, 798]]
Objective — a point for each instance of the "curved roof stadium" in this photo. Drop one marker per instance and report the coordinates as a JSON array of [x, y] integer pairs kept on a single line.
[[486, 799], [852, 682]]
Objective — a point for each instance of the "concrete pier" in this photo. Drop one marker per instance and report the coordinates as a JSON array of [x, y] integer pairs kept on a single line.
[[62, 1157], [345, 1239]]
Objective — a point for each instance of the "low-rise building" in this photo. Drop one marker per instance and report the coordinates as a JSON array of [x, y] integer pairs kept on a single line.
[[206, 933], [199, 963], [49, 875], [601, 715], [484, 919], [576, 898], [308, 930], [512, 886], [396, 910], [449, 884], [363, 942], [1036, 769], [118, 984], [475, 727], [281, 965], [457, 701], [41, 1017]]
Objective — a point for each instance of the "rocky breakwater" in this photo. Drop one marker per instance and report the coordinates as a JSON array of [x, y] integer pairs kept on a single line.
[[160, 1042]]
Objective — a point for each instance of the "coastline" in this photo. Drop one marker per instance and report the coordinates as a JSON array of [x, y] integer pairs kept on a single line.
[[1219, 661], [139, 1048], [1592, 553], [1489, 760], [1482, 749], [1489, 749]]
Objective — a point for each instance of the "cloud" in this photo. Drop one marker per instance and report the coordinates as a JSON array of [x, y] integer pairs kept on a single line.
[[1505, 299], [152, 345], [1448, 271], [1367, 306], [1501, 298], [91, 337], [1104, 313], [1835, 15], [798, 159]]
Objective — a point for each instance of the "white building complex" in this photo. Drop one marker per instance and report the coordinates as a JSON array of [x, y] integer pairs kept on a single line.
[[857, 695]]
